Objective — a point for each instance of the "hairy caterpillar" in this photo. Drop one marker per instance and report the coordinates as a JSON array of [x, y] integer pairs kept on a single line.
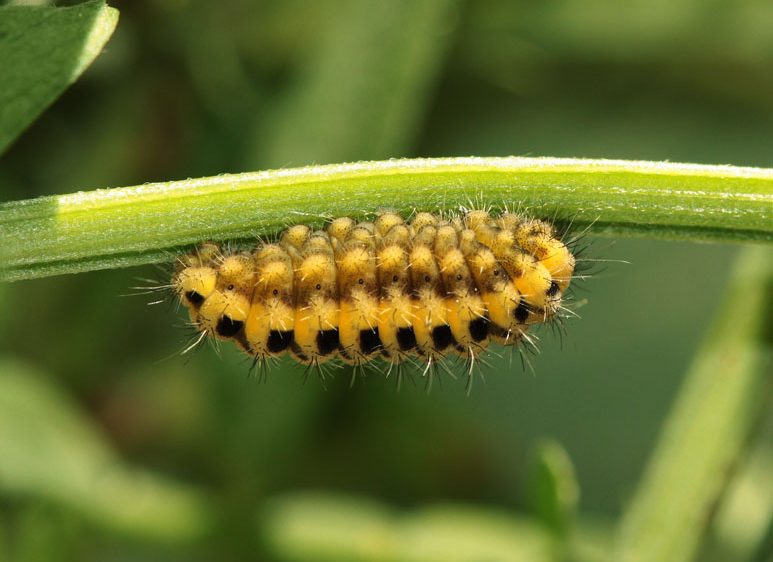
[[391, 289]]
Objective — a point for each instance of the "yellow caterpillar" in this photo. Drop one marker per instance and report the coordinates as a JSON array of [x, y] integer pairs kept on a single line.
[[390, 288]]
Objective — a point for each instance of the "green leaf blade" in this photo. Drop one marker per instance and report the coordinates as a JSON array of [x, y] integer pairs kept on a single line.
[[43, 50], [553, 488]]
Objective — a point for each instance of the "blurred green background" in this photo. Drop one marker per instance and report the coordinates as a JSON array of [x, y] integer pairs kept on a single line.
[[192, 88]]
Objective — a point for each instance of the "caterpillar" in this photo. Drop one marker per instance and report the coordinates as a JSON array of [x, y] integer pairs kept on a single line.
[[391, 288]]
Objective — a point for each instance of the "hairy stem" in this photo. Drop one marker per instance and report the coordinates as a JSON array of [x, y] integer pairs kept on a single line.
[[143, 224]]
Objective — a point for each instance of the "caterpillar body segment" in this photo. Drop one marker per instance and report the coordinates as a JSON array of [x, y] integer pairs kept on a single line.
[[359, 313], [316, 301], [396, 309], [270, 323]]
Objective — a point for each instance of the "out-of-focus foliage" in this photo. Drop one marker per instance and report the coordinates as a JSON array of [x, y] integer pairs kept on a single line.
[[725, 390], [314, 527], [191, 88], [553, 488], [48, 450]]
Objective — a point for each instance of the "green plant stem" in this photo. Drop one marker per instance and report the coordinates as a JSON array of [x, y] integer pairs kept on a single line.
[[724, 394], [134, 225]]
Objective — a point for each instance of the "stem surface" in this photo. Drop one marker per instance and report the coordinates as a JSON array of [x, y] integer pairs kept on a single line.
[[109, 228]]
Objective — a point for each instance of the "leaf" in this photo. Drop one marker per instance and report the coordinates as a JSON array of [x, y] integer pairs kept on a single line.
[[49, 450], [554, 489], [593, 539], [324, 527], [318, 527], [451, 533], [145, 224], [721, 400], [44, 533], [390, 54], [43, 50], [745, 515]]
